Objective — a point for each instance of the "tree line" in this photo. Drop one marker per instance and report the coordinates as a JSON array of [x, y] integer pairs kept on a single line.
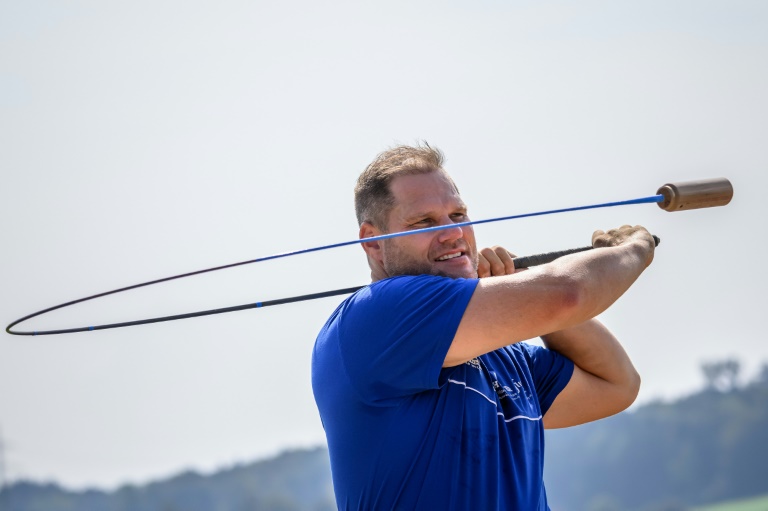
[[708, 447]]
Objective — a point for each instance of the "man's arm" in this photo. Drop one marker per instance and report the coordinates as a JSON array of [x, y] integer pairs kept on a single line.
[[604, 381], [567, 292]]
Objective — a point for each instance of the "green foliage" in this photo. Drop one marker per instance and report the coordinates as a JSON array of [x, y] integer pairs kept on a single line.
[[707, 448], [294, 481], [721, 375], [756, 504]]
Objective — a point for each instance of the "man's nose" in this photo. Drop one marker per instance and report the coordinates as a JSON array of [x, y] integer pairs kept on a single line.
[[450, 233]]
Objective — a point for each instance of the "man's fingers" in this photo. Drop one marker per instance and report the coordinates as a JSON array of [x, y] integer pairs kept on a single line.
[[495, 261], [595, 236], [618, 236]]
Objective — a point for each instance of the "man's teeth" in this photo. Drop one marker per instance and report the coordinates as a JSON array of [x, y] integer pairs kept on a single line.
[[449, 256]]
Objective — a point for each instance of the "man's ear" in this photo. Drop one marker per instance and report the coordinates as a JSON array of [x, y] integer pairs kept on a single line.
[[372, 248], [374, 251]]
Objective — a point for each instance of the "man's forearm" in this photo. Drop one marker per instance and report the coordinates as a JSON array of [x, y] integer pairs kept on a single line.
[[601, 276], [559, 296], [594, 349]]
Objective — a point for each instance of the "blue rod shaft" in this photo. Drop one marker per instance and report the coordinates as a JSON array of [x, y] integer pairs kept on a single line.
[[642, 200]]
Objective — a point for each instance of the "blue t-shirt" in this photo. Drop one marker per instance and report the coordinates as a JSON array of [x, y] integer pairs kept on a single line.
[[404, 433]]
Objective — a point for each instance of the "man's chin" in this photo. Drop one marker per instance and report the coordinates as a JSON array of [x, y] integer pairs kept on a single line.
[[459, 268], [437, 272], [453, 271], [457, 274]]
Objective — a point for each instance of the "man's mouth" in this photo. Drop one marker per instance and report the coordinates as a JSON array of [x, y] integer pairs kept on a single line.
[[450, 256]]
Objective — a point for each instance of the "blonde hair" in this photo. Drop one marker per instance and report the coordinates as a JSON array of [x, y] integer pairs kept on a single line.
[[373, 198]]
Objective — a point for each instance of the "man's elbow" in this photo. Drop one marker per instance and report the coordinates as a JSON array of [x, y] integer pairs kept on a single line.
[[573, 301], [580, 299], [622, 393], [630, 390]]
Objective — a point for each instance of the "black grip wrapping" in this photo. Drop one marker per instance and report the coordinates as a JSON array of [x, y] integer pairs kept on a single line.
[[537, 259]]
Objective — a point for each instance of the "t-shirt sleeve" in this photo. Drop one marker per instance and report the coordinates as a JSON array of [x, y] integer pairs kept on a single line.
[[551, 372], [394, 335]]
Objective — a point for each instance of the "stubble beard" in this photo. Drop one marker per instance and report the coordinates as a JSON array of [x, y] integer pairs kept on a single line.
[[396, 263]]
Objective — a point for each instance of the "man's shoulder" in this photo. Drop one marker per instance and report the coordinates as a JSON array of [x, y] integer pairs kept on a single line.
[[419, 282], [404, 288], [405, 292]]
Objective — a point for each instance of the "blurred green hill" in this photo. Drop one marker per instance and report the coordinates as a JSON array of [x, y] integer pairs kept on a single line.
[[293, 481], [704, 449], [709, 447], [756, 504]]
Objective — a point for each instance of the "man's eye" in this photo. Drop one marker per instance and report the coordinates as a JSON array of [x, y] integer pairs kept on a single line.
[[421, 224]]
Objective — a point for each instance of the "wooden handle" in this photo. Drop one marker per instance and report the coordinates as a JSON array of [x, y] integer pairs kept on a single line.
[[704, 193]]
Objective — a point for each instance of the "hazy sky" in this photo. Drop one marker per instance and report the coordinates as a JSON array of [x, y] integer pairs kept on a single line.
[[144, 139]]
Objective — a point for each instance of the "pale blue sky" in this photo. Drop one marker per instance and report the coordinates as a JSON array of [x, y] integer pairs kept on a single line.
[[144, 139]]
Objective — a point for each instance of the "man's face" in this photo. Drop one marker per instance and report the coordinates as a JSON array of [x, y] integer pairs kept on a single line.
[[427, 200]]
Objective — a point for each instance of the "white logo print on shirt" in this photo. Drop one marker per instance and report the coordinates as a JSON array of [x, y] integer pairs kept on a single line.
[[506, 395], [514, 392], [474, 363]]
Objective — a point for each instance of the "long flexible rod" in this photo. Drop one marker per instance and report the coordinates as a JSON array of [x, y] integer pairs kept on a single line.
[[543, 258]]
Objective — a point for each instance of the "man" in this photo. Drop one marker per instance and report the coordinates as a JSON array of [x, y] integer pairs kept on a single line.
[[428, 397]]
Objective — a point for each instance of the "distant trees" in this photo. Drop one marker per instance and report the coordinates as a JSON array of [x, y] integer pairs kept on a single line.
[[293, 481], [707, 447], [722, 375], [2, 462], [762, 376]]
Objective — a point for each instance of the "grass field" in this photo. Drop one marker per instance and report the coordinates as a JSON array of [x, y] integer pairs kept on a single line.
[[756, 504]]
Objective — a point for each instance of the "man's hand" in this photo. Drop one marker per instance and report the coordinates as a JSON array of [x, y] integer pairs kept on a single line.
[[624, 235], [495, 261]]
